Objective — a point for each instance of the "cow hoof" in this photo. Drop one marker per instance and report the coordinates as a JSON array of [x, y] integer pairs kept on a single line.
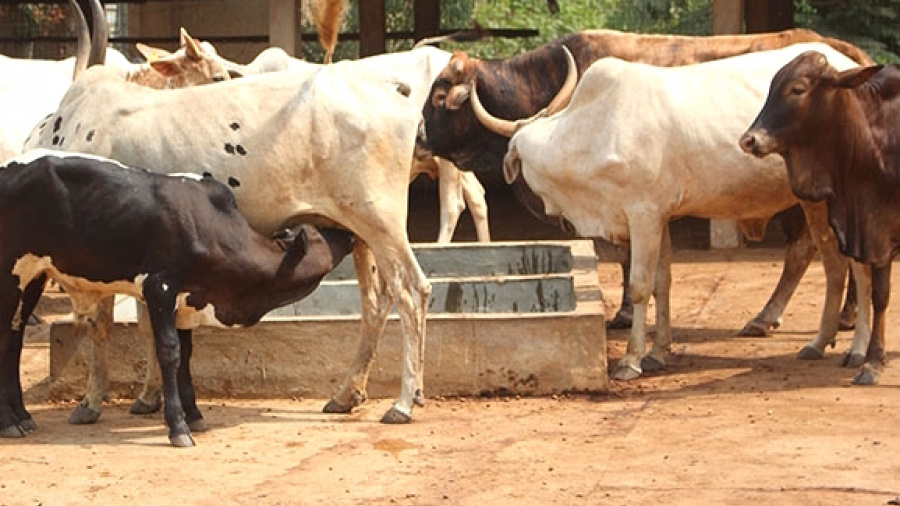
[[395, 416], [652, 364], [84, 415], [34, 319], [13, 431], [620, 321], [181, 441], [853, 359], [867, 375], [419, 399], [626, 372], [810, 353], [335, 407], [755, 328], [140, 407], [28, 425], [198, 425], [846, 324]]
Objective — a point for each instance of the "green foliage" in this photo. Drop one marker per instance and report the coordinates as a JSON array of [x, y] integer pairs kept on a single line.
[[871, 25]]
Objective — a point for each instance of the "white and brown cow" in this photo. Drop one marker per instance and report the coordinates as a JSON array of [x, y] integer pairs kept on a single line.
[[641, 145], [331, 146], [177, 242]]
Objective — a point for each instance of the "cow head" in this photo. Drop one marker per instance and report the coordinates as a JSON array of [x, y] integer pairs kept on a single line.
[[799, 107], [194, 63]]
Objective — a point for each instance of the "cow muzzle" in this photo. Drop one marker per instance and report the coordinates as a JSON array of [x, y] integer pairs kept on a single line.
[[757, 142]]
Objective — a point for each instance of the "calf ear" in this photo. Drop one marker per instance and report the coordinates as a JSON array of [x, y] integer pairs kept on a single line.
[[457, 96], [151, 54], [167, 67], [855, 77]]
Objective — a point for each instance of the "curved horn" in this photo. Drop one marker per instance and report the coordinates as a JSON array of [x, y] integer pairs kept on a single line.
[[568, 88], [99, 36], [503, 127], [84, 41]]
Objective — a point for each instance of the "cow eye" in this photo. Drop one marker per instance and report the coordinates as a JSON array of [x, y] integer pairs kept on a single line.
[[798, 89], [440, 97]]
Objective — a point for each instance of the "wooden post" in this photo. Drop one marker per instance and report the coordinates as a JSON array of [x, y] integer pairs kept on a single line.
[[728, 18], [372, 27], [769, 15], [284, 25], [427, 18]]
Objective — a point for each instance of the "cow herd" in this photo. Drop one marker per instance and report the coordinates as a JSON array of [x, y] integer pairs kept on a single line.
[[215, 191]]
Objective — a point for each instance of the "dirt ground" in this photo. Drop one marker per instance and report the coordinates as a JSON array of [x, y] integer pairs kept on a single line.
[[733, 421]]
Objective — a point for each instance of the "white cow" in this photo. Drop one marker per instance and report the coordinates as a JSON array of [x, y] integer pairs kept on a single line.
[[332, 146], [418, 68], [639, 146]]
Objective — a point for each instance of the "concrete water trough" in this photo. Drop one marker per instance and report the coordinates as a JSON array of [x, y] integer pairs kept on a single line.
[[521, 318]]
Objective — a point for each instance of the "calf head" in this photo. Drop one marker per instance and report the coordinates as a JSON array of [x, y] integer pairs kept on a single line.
[[799, 113], [194, 63]]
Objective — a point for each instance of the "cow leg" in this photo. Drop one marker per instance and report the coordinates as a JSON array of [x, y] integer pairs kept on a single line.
[[192, 414], [98, 326], [870, 373], [160, 298], [473, 193], [605, 251], [799, 254], [861, 279], [410, 289], [15, 420], [645, 252], [450, 196], [662, 342], [835, 266], [376, 305], [150, 399]]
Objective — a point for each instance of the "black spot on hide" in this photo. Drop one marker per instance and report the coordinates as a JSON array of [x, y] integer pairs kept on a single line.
[[229, 149], [57, 124], [56, 140], [234, 183], [234, 126], [240, 149], [90, 136], [208, 174], [61, 141]]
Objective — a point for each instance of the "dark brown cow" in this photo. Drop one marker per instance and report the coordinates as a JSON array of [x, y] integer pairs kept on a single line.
[[519, 87], [839, 135]]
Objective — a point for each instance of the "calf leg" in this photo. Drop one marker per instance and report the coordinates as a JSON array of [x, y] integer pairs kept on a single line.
[[15, 420], [150, 399], [861, 282], [192, 414], [98, 327], [473, 193], [870, 373], [160, 297], [376, 305], [450, 196]]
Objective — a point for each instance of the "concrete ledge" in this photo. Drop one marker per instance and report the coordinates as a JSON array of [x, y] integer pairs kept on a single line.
[[533, 354]]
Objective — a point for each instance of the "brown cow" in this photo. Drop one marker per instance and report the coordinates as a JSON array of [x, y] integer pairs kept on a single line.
[[520, 87], [839, 135]]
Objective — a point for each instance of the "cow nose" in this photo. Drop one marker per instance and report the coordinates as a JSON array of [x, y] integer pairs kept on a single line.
[[748, 143]]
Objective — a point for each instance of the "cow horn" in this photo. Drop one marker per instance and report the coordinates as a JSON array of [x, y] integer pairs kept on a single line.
[[497, 125], [568, 88], [99, 36], [507, 128], [84, 41]]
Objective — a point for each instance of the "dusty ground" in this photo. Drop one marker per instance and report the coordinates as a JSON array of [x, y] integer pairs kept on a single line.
[[732, 421]]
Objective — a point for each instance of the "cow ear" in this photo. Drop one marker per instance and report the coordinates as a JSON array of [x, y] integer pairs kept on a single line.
[[151, 54], [855, 77], [457, 96], [191, 47]]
